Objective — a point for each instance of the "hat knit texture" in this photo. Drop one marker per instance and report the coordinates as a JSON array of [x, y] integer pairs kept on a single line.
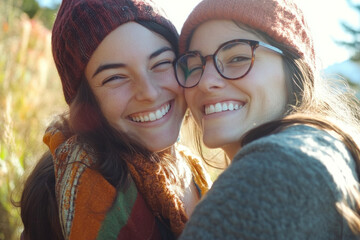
[[282, 20], [81, 25]]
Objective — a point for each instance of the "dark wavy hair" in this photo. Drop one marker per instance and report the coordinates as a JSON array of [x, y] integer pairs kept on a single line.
[[101, 141]]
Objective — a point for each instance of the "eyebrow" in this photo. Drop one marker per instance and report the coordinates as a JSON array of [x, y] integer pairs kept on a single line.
[[160, 51], [230, 46], [121, 65], [108, 66]]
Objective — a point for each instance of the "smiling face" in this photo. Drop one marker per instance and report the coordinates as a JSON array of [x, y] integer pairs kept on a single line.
[[132, 78], [226, 109]]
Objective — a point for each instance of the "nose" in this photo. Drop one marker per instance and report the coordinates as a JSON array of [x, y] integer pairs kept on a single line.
[[211, 79], [146, 89]]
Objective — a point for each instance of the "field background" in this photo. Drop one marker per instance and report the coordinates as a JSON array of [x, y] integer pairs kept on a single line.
[[30, 95]]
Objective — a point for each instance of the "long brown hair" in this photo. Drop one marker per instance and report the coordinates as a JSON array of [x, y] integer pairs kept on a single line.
[[313, 100], [327, 104], [102, 142], [39, 211]]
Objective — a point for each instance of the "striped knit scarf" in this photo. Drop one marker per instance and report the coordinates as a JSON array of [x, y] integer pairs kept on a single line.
[[152, 181], [76, 183]]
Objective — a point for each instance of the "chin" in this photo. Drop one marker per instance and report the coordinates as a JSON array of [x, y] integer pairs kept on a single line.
[[219, 140], [210, 143], [161, 145]]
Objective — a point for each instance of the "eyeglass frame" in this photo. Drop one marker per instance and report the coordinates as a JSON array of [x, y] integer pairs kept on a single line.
[[252, 43]]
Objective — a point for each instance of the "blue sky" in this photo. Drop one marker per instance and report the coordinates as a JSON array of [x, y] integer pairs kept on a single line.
[[324, 17], [48, 3]]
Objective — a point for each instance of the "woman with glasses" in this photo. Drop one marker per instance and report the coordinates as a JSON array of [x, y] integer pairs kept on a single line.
[[251, 81], [116, 170]]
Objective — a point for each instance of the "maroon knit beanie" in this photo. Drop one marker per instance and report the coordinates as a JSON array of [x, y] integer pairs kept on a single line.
[[81, 25], [282, 20]]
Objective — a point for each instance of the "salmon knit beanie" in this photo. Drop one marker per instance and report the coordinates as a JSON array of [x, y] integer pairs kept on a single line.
[[282, 20], [81, 25]]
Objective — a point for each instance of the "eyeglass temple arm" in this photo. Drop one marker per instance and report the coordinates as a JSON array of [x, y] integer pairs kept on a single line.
[[275, 49]]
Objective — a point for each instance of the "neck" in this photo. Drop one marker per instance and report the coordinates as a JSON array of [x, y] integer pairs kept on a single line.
[[170, 150], [231, 150]]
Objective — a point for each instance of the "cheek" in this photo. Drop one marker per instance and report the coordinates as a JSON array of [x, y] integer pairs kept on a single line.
[[270, 79], [266, 86], [276, 94], [179, 91], [280, 87], [190, 97], [169, 86], [169, 82], [191, 100], [113, 104]]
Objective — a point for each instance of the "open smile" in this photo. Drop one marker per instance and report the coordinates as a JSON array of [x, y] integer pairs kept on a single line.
[[222, 107], [151, 116]]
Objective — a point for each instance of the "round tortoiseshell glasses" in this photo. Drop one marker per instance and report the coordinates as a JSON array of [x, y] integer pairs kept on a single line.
[[233, 60]]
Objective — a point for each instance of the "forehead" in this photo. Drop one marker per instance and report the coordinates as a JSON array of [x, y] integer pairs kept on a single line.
[[123, 44], [211, 34], [130, 38]]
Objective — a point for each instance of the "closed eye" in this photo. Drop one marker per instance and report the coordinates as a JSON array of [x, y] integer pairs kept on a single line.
[[162, 65], [194, 69], [115, 78]]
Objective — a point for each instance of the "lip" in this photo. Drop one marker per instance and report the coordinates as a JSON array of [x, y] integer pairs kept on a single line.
[[169, 104]]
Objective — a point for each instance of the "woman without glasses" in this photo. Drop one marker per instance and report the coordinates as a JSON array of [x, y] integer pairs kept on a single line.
[[251, 83], [118, 173]]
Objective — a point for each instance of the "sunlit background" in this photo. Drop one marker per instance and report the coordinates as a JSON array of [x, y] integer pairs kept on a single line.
[[324, 17], [30, 89]]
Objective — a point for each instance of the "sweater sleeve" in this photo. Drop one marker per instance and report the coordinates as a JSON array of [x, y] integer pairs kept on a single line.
[[270, 191]]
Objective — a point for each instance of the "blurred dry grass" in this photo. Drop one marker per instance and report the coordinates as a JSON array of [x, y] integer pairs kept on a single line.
[[30, 93]]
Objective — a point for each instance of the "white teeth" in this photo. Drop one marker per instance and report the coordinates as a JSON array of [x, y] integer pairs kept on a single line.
[[218, 107], [221, 107], [231, 107], [211, 109], [224, 107], [158, 114], [152, 116]]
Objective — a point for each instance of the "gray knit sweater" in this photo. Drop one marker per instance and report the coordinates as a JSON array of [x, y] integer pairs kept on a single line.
[[283, 186]]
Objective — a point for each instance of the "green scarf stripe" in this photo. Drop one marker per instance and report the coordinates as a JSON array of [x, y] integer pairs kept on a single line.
[[119, 214]]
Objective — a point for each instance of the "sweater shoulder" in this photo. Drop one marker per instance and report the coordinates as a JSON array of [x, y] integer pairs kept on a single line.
[[304, 149], [283, 186]]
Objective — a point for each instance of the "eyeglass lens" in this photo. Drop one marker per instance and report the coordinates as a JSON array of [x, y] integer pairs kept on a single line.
[[232, 61]]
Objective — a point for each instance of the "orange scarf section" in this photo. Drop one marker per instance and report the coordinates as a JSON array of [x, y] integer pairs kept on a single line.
[[94, 195], [153, 183]]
